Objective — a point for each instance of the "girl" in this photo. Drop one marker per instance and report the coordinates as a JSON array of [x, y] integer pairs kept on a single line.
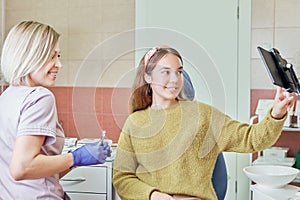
[[169, 145]]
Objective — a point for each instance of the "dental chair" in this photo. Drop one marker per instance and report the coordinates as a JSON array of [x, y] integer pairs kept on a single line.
[[219, 177]]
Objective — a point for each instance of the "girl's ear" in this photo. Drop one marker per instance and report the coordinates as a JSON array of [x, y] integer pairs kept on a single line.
[[148, 78]]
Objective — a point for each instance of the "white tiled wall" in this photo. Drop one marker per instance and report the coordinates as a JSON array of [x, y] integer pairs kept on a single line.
[[275, 23], [84, 25]]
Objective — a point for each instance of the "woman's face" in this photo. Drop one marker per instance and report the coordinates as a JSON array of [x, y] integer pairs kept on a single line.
[[166, 81], [47, 74]]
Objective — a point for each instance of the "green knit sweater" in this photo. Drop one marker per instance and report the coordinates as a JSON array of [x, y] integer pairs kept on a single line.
[[174, 150]]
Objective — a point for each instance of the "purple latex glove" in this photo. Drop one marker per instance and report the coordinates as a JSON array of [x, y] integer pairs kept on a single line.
[[91, 154]]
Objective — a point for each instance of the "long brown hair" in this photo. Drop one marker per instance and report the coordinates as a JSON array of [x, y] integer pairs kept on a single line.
[[141, 96]]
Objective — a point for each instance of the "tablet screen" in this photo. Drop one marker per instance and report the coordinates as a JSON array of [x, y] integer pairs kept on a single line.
[[280, 71]]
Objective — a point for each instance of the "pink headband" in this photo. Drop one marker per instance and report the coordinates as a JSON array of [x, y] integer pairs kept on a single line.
[[149, 54]]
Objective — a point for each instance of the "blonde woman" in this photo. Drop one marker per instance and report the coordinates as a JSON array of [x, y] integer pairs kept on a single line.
[[31, 138], [169, 145]]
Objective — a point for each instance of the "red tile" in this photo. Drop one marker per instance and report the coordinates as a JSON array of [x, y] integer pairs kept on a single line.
[[99, 100], [289, 139], [64, 119], [257, 94], [87, 125], [106, 100], [115, 100], [72, 127], [62, 96], [85, 111], [113, 125], [120, 101], [83, 99]]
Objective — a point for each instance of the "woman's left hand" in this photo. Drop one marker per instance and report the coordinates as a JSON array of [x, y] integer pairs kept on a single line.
[[282, 103]]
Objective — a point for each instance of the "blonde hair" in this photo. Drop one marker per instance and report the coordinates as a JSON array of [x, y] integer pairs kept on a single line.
[[28, 46], [141, 96]]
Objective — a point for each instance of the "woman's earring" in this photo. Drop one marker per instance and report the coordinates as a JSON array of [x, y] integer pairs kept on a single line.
[[149, 89]]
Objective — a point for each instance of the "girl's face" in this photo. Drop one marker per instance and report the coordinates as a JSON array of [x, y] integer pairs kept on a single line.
[[47, 74], [166, 81]]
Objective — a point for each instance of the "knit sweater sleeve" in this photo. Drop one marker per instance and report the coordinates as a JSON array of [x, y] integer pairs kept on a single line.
[[125, 180], [245, 138]]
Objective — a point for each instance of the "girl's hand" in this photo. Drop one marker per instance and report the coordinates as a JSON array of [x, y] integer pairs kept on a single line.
[[282, 103], [160, 196]]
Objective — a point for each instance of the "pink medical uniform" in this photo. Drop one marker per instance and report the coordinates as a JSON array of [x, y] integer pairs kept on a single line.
[[29, 111]]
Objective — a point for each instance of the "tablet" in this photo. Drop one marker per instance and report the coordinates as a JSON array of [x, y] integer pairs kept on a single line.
[[280, 71]]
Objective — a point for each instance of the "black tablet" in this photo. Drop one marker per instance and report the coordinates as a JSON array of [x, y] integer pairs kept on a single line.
[[280, 71]]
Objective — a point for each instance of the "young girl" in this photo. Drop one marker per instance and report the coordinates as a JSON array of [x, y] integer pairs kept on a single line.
[[31, 139], [169, 145]]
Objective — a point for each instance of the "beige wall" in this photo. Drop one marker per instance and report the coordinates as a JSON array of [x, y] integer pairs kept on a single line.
[[84, 25], [275, 23]]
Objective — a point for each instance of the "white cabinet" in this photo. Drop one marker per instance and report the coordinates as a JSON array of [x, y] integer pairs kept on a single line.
[[85, 196], [89, 182]]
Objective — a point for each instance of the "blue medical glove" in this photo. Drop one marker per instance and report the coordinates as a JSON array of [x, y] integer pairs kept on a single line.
[[91, 154], [107, 148]]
